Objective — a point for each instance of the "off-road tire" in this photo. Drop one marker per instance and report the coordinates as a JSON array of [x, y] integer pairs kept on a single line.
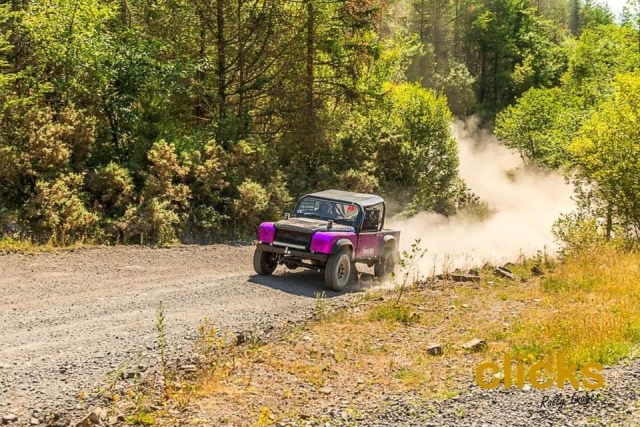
[[387, 263], [264, 263], [340, 271]]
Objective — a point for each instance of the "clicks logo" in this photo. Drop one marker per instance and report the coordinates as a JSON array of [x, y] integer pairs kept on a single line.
[[560, 373]]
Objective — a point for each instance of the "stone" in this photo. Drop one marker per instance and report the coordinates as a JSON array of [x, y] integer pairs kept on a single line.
[[9, 418], [326, 390], [504, 272], [127, 375], [536, 270], [434, 350], [475, 345], [241, 337], [465, 278], [189, 368]]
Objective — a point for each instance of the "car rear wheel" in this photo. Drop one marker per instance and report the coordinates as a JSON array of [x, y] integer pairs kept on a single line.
[[387, 263], [340, 271], [264, 263]]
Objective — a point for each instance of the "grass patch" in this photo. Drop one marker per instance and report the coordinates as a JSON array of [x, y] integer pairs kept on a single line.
[[393, 313], [9, 244]]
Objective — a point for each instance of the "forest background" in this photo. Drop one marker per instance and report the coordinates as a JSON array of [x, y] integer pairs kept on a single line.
[[142, 121]]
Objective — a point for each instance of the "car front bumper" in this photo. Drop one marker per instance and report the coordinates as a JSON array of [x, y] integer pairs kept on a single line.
[[294, 253]]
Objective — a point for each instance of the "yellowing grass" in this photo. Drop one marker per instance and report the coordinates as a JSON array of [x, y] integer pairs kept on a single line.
[[592, 310]]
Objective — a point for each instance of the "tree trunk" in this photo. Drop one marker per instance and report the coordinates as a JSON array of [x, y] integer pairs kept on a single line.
[[483, 76], [310, 71], [609, 225], [574, 20], [242, 123], [222, 70], [199, 108]]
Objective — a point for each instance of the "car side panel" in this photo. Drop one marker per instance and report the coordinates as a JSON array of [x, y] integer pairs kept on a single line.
[[322, 242], [368, 245]]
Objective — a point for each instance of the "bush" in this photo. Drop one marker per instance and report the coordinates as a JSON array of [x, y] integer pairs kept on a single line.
[[58, 213], [250, 206], [150, 222], [279, 198], [113, 188], [359, 181], [163, 179]]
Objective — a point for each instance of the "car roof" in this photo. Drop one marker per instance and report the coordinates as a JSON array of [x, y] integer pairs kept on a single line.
[[348, 196]]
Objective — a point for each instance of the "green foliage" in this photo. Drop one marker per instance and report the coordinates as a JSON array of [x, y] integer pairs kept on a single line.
[[150, 222], [543, 122], [600, 54], [606, 152], [539, 126], [587, 126], [113, 188], [251, 204], [483, 55], [421, 137], [578, 233], [457, 84]]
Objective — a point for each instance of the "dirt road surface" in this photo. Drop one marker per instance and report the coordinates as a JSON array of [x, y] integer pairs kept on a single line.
[[68, 319]]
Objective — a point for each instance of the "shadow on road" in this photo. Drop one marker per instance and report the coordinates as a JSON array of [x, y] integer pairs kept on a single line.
[[306, 283]]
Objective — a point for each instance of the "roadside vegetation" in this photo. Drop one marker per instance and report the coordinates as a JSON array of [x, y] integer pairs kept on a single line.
[[584, 306]]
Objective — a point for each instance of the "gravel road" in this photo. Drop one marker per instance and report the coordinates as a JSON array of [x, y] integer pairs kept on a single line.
[[67, 319]]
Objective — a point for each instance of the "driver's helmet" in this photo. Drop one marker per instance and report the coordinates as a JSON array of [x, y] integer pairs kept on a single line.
[[326, 209]]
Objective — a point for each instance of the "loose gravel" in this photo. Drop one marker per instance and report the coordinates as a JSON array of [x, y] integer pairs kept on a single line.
[[69, 321]]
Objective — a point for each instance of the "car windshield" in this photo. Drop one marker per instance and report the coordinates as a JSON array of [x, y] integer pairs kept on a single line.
[[340, 212]]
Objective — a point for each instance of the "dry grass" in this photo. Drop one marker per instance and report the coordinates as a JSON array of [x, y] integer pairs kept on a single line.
[[590, 310], [12, 245], [587, 308]]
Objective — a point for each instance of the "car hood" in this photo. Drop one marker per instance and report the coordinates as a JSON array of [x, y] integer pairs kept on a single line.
[[310, 225]]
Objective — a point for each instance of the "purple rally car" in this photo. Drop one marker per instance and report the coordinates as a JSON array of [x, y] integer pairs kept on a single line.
[[332, 231]]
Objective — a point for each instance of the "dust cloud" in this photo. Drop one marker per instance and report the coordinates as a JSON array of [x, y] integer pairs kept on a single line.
[[526, 204]]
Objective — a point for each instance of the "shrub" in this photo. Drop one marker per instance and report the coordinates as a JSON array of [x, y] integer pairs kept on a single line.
[[250, 206], [360, 181], [151, 222], [58, 213], [113, 188]]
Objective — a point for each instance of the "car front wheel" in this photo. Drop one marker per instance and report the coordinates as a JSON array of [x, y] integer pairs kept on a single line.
[[264, 263], [340, 271]]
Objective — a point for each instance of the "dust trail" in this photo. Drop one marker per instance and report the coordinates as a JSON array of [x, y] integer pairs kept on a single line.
[[526, 206]]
